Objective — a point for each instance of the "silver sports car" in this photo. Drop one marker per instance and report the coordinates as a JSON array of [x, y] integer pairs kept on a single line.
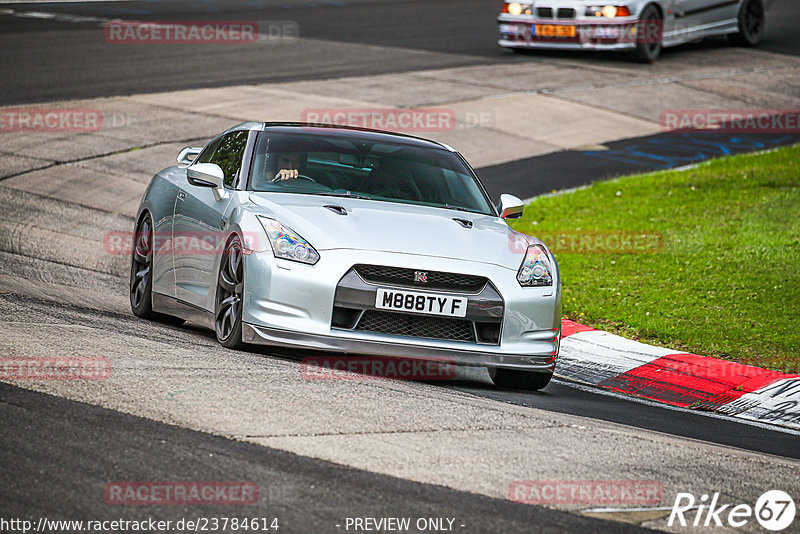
[[346, 240], [640, 26]]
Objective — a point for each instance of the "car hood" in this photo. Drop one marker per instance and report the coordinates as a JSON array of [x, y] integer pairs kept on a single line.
[[394, 227]]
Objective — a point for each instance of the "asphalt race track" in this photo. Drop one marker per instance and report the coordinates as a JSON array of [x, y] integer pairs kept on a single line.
[[574, 168], [180, 407], [451, 33], [94, 437]]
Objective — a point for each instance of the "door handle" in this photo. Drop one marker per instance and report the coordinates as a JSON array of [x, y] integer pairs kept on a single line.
[[181, 195]]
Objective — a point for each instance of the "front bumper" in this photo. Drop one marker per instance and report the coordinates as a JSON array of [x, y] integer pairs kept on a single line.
[[619, 34], [377, 345], [290, 304]]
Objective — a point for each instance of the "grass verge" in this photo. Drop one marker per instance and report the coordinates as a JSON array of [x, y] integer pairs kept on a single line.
[[707, 260]]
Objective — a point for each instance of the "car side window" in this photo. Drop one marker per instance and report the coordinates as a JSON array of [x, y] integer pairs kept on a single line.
[[229, 153], [205, 155]]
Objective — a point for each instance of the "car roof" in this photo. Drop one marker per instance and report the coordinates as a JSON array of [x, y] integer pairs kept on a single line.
[[346, 132]]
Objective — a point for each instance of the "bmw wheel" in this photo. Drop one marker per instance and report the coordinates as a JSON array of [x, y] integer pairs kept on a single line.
[[529, 380], [751, 24], [230, 289], [649, 35]]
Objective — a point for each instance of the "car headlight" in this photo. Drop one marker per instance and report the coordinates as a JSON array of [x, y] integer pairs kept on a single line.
[[536, 269], [517, 8], [609, 11], [287, 244]]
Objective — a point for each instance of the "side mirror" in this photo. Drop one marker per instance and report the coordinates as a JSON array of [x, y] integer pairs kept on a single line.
[[207, 175], [510, 207], [188, 154]]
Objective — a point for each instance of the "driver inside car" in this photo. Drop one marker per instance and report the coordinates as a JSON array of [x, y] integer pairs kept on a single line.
[[291, 165]]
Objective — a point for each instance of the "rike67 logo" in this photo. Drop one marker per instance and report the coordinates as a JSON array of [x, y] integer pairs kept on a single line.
[[774, 510]]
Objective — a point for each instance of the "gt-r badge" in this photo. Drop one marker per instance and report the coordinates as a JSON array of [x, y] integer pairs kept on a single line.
[[420, 276]]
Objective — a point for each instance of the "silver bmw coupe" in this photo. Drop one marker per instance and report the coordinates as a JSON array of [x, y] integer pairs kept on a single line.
[[642, 27], [347, 240]]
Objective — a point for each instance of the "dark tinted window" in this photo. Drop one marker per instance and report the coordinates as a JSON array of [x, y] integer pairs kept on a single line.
[[205, 155], [228, 154], [378, 170]]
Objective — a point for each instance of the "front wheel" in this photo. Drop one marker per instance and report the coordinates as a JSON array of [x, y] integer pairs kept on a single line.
[[228, 302], [528, 380], [751, 24], [649, 36]]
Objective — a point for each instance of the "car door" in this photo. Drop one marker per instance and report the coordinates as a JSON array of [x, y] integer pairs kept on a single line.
[[162, 194], [692, 15], [721, 11], [198, 223]]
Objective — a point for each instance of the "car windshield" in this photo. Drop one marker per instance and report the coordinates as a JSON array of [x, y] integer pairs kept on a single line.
[[360, 167]]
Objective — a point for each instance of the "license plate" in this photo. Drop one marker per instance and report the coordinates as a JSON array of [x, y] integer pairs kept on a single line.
[[554, 30], [414, 302]]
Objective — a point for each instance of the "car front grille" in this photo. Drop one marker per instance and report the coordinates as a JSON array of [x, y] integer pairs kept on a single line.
[[411, 278], [561, 13], [402, 324]]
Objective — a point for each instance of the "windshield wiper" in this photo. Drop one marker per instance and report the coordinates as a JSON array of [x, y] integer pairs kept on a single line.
[[346, 194], [457, 208]]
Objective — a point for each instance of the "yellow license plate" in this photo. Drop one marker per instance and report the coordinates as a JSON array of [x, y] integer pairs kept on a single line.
[[555, 30]]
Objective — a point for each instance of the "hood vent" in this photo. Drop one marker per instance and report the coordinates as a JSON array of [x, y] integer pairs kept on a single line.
[[336, 209], [463, 222]]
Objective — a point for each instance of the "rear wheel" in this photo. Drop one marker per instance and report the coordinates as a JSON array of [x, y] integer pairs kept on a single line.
[[649, 35], [141, 279], [230, 289], [512, 379], [751, 24]]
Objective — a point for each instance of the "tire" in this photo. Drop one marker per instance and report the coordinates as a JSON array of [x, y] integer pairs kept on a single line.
[[141, 278], [649, 35], [528, 380], [751, 24], [228, 302]]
